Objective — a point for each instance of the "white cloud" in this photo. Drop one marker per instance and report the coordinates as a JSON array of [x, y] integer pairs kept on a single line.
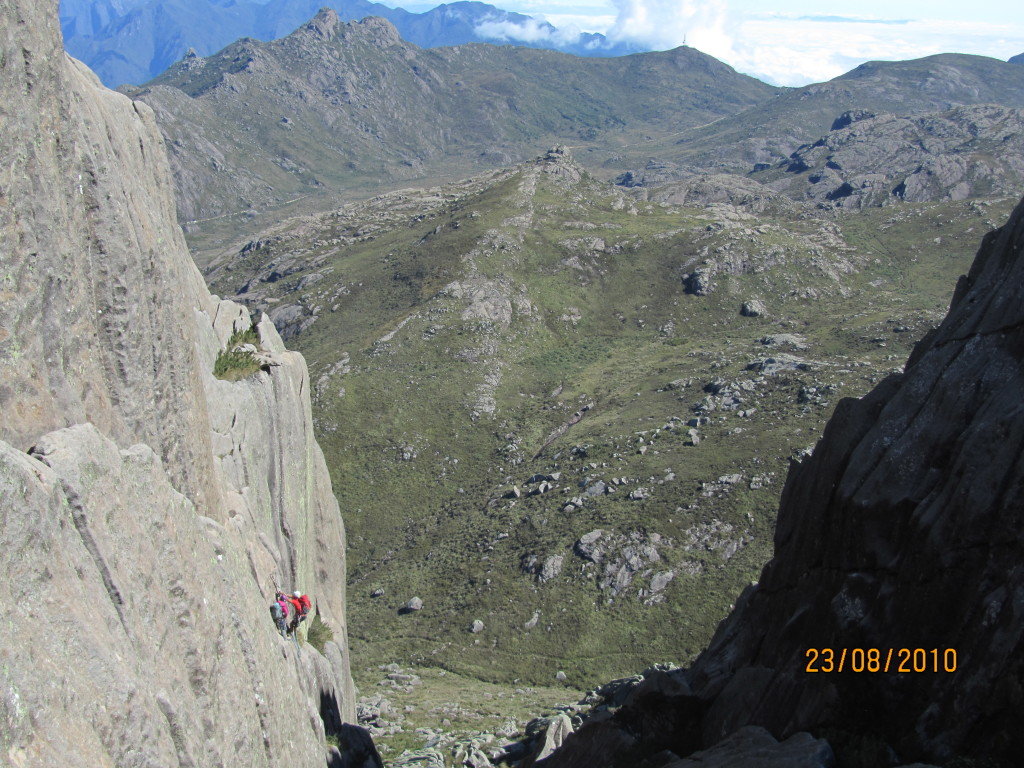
[[529, 31], [583, 22], [799, 49], [663, 24], [806, 50]]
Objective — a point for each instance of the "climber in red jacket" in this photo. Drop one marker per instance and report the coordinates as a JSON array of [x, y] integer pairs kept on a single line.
[[300, 609]]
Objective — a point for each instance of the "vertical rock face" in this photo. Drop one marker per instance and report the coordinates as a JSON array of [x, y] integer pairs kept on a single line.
[[96, 289], [905, 532], [146, 509]]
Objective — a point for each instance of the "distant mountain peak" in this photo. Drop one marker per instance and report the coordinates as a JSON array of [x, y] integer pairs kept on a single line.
[[324, 23], [327, 25]]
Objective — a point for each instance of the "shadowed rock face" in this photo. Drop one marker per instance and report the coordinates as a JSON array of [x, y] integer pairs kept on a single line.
[[143, 533], [902, 531]]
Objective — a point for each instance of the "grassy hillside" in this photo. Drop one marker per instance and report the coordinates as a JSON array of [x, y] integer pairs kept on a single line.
[[505, 367]]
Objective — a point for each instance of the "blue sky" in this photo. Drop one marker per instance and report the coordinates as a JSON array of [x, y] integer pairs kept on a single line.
[[790, 42]]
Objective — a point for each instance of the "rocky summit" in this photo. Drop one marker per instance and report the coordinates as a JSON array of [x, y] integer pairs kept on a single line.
[[147, 508]]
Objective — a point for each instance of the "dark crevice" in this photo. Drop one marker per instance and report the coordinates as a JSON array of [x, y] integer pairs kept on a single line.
[[81, 521]]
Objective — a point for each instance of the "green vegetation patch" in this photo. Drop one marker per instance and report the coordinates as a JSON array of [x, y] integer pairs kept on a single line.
[[232, 363], [319, 633]]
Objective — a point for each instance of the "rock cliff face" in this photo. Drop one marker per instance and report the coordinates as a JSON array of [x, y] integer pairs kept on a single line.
[[146, 508], [902, 531]]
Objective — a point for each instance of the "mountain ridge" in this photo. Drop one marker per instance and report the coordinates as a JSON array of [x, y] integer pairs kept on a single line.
[[260, 123], [134, 42], [769, 133]]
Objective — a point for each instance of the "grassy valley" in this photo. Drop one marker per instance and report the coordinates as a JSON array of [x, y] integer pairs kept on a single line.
[[545, 411]]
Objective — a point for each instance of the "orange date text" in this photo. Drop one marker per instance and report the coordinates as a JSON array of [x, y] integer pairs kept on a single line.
[[899, 660]]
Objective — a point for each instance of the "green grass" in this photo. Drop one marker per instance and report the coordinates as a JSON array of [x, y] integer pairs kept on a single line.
[[234, 364], [319, 633]]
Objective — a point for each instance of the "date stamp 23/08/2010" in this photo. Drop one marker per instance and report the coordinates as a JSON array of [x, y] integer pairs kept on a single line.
[[899, 660]]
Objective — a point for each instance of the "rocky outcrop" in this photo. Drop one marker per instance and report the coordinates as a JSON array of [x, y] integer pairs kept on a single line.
[[901, 533], [872, 159], [765, 135], [147, 508], [703, 189]]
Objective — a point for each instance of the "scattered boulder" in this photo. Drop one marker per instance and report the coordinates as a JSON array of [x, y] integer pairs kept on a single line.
[[476, 627], [375, 711], [661, 580], [753, 308], [785, 340], [414, 604], [698, 282], [419, 758], [621, 558], [587, 547], [545, 570], [777, 363], [396, 678], [552, 567]]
